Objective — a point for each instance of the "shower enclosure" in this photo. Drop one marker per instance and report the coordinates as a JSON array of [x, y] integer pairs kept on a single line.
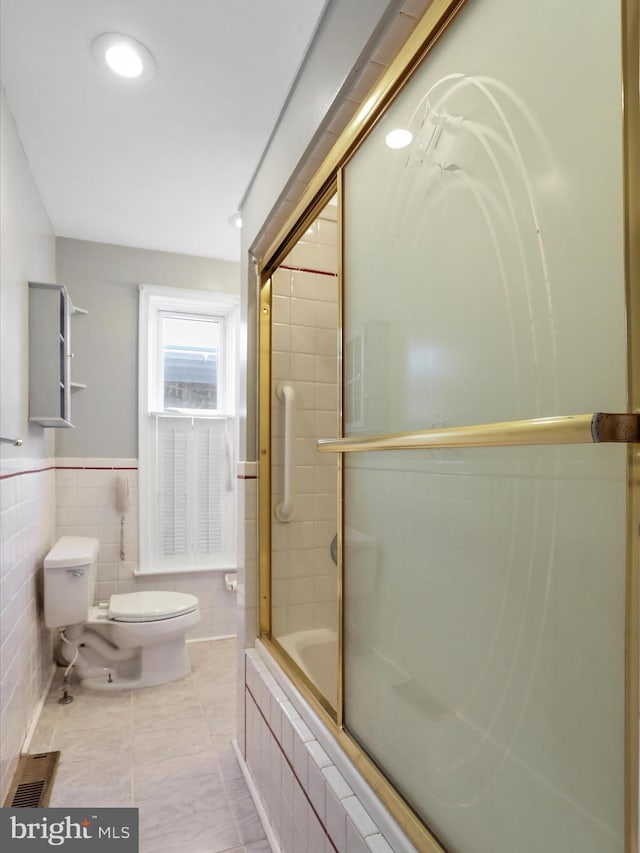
[[303, 311], [448, 531]]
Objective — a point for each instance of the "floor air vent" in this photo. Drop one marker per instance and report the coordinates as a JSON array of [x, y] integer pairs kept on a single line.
[[31, 787]]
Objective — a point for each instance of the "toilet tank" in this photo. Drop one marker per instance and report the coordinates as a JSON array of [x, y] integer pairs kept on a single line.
[[69, 580]]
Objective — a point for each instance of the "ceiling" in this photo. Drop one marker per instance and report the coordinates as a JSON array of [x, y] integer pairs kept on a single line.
[[163, 163]]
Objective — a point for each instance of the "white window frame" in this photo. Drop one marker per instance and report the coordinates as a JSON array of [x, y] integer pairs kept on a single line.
[[156, 301]]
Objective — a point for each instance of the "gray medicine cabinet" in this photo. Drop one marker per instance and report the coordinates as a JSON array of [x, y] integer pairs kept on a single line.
[[50, 385]]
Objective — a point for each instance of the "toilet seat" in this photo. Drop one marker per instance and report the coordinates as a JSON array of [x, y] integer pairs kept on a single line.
[[150, 606]]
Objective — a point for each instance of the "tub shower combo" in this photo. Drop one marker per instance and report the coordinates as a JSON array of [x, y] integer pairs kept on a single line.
[[449, 333]]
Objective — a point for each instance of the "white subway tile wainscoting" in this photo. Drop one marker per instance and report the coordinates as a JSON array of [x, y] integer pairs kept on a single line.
[[247, 596], [314, 800], [27, 522]]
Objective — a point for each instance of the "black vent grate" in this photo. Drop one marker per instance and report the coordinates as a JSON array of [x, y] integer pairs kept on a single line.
[[31, 787], [28, 795]]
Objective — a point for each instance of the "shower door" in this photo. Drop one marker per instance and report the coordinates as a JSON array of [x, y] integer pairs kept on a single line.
[[487, 576], [301, 302]]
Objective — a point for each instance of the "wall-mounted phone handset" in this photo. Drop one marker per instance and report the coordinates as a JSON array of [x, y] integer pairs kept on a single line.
[[122, 493], [122, 505]]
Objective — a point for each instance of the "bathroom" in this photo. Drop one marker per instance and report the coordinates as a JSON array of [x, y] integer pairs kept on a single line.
[[410, 735], [84, 481]]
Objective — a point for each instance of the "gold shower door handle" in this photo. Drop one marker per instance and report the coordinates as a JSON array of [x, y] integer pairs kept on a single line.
[[597, 428]]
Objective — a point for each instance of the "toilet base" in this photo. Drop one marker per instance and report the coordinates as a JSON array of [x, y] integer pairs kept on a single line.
[[150, 666]]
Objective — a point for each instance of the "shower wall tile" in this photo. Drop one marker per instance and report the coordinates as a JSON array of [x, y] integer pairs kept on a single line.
[[27, 521], [85, 502], [308, 802], [327, 315], [280, 337], [304, 339], [304, 285], [305, 290], [327, 232], [280, 309], [304, 312], [281, 283]]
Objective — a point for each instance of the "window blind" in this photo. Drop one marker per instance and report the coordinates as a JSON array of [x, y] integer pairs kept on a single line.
[[194, 488]]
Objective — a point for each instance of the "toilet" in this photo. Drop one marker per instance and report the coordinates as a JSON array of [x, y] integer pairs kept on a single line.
[[136, 639]]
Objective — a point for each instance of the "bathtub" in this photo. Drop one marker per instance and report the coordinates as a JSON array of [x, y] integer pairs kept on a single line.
[[316, 653]]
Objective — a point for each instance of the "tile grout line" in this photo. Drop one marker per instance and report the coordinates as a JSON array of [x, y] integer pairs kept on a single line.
[[205, 678], [295, 775]]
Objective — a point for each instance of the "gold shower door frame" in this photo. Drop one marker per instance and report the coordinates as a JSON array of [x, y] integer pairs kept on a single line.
[[567, 430]]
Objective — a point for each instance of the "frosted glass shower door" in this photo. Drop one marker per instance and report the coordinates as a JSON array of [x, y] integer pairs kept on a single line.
[[484, 589]]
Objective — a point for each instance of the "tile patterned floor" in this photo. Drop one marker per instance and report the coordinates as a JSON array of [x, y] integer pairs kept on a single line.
[[166, 750]]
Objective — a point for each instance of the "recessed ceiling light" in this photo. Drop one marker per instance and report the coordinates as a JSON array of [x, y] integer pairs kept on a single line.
[[123, 56], [399, 138], [236, 220], [122, 59]]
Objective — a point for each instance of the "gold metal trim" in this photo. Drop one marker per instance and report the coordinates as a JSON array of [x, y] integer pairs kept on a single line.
[[281, 247], [570, 429], [632, 652], [264, 460], [339, 473], [427, 32], [631, 154], [631, 133]]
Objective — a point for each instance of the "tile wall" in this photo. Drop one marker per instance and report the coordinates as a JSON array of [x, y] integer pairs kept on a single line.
[[309, 802], [247, 597], [304, 355], [27, 522], [85, 499]]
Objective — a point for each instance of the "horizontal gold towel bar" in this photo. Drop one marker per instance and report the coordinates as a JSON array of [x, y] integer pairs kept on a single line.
[[571, 429]]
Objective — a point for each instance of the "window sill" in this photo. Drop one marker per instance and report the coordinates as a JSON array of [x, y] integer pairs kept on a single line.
[[192, 413], [149, 573]]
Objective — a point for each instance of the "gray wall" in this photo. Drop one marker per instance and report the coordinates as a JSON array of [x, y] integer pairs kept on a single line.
[[104, 279], [27, 253], [335, 58]]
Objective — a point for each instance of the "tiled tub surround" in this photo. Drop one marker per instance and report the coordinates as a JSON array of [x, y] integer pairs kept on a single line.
[[85, 501], [313, 797], [169, 754], [27, 524], [304, 355]]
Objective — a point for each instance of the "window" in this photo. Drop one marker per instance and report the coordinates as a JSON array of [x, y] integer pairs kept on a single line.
[[187, 430], [190, 357]]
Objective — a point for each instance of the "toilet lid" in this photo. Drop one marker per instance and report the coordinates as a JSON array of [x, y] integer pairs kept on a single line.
[[150, 606]]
